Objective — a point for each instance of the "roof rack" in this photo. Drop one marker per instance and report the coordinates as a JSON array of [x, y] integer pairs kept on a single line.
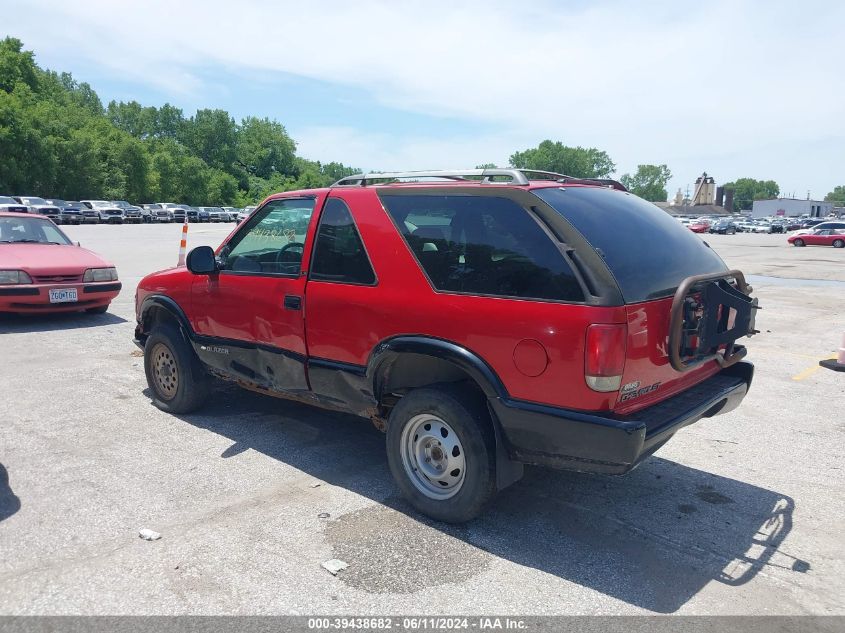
[[486, 176]]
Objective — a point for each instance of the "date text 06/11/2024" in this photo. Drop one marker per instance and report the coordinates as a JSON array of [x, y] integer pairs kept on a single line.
[[417, 623]]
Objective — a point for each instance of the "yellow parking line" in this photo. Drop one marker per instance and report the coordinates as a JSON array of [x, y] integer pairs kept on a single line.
[[810, 370]]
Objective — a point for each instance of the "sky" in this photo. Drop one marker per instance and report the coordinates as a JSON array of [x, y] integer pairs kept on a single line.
[[734, 88]]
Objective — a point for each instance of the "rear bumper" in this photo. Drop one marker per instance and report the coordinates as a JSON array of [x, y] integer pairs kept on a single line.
[[576, 440]]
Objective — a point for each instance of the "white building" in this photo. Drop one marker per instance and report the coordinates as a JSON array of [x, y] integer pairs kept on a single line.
[[791, 208]]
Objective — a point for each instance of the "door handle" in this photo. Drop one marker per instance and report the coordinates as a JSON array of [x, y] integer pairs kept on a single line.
[[293, 302]]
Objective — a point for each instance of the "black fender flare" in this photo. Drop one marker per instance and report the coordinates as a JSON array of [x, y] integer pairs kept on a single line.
[[168, 305], [508, 471], [389, 350]]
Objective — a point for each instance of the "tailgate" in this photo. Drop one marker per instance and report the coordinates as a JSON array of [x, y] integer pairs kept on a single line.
[[677, 342]]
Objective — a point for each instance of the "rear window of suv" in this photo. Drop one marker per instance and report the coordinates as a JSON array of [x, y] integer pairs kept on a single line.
[[482, 245], [647, 251]]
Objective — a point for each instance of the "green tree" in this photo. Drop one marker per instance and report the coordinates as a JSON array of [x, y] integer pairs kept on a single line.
[[837, 196], [135, 165], [168, 121], [133, 118], [164, 185], [747, 190], [194, 177], [649, 182], [212, 135], [16, 65], [264, 148], [578, 162], [488, 165], [57, 140], [222, 188], [335, 171]]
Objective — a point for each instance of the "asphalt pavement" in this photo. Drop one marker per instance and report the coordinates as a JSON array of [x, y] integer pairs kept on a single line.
[[738, 514]]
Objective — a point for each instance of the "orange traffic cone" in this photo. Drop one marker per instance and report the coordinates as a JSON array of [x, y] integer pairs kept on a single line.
[[838, 363], [183, 244]]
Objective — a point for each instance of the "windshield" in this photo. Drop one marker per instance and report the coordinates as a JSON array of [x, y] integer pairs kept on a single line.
[[34, 200], [58, 203], [100, 203], [647, 251], [18, 230], [7, 200]]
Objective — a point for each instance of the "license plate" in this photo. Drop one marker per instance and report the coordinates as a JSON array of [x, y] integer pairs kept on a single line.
[[63, 295]]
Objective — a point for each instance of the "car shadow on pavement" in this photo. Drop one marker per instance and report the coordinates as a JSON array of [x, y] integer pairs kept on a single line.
[[9, 503], [21, 323], [652, 538]]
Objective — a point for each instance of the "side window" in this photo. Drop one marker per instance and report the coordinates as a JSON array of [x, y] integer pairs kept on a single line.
[[339, 253], [272, 242], [482, 245]]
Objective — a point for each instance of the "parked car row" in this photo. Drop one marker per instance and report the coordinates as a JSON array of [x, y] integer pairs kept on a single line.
[[118, 211], [733, 224]]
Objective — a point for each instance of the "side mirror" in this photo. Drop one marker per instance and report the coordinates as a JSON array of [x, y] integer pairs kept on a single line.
[[201, 261]]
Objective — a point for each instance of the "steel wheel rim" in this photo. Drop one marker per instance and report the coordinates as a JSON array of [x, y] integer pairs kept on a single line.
[[433, 456], [165, 371]]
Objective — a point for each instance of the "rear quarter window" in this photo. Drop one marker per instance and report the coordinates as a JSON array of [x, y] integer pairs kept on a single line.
[[482, 245], [648, 252]]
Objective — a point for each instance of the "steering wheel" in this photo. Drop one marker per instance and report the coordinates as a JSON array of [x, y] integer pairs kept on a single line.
[[283, 258], [289, 246]]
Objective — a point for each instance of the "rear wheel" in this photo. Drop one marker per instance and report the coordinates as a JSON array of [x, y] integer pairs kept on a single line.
[[798, 242], [98, 309], [174, 374], [441, 452], [838, 243]]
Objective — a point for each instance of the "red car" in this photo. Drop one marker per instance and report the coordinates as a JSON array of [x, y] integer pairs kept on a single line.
[[699, 227], [41, 270], [823, 237], [482, 319]]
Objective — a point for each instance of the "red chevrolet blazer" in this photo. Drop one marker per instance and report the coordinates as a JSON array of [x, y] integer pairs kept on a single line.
[[483, 318]]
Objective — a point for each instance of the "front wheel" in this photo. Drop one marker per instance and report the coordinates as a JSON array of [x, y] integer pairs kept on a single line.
[[798, 242], [838, 243], [175, 375], [441, 452]]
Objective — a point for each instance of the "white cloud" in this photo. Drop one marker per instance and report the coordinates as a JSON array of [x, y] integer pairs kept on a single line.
[[369, 151], [648, 82]]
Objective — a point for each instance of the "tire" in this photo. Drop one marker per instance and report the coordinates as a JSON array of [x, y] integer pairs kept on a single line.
[[175, 375], [449, 424], [838, 243], [98, 309], [798, 242]]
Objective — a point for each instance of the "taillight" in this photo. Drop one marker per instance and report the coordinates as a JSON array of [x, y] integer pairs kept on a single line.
[[604, 356]]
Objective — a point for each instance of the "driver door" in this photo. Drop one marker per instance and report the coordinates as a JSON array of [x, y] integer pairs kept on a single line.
[[250, 315]]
